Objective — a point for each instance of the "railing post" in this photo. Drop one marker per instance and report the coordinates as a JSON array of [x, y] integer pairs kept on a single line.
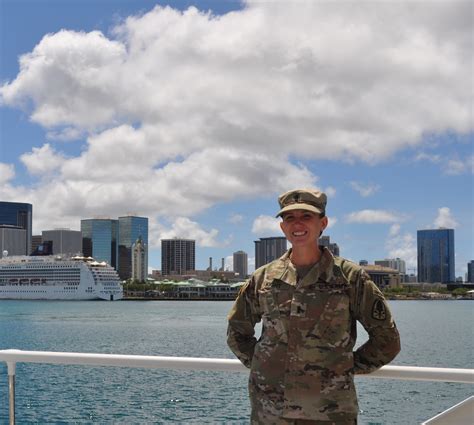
[[11, 391]]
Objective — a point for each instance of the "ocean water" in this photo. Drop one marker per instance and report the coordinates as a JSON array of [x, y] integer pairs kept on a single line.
[[434, 333]]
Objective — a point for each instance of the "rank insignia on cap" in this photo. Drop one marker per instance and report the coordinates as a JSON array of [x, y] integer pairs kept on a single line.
[[379, 312]]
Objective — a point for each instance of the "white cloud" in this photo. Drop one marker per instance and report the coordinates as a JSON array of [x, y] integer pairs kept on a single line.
[[265, 225], [423, 156], [459, 166], [331, 222], [394, 229], [374, 216], [185, 228], [183, 110], [445, 219], [229, 262], [402, 246], [235, 218], [272, 73], [330, 191], [43, 160], [7, 172], [365, 190]]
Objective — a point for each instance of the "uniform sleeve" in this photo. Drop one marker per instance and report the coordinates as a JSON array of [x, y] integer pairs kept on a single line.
[[242, 319], [384, 340]]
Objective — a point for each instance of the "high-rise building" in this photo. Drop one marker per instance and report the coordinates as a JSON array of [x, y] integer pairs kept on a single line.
[[470, 271], [269, 249], [64, 241], [139, 261], [393, 263], [177, 256], [241, 263], [333, 247], [12, 240], [21, 215], [99, 240], [36, 241], [436, 255], [130, 229]]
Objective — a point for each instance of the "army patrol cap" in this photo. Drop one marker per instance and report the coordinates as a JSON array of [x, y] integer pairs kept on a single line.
[[302, 199]]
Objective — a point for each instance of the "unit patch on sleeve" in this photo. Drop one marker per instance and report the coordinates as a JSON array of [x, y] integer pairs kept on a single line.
[[379, 312]]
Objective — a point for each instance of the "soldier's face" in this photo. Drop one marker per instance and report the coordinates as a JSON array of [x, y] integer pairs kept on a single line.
[[302, 227]]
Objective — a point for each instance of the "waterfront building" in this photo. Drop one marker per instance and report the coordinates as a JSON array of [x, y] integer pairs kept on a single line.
[[363, 263], [470, 272], [269, 249], [383, 276], [241, 264], [435, 255], [99, 240], [64, 241], [18, 214], [130, 229], [393, 263], [36, 241], [326, 242], [12, 240], [178, 256], [139, 261]]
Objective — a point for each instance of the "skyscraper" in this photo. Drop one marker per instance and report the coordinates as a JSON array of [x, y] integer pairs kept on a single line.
[[333, 247], [64, 241], [177, 256], [99, 239], [130, 229], [392, 263], [139, 261], [241, 263], [269, 249], [436, 255], [470, 271], [12, 240], [21, 215]]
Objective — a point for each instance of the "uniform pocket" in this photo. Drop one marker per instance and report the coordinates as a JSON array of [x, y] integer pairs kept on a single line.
[[274, 317], [332, 328]]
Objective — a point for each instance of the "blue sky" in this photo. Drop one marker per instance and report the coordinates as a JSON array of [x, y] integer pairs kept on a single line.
[[198, 114]]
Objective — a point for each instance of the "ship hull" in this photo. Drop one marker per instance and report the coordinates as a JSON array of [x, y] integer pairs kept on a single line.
[[24, 278]]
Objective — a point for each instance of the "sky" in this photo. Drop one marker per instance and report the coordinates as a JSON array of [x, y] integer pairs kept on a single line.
[[198, 114]]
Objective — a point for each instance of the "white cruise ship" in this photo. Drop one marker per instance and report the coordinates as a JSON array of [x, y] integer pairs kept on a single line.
[[58, 278]]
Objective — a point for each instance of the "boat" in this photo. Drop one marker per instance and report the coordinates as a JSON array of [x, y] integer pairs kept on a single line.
[[56, 277]]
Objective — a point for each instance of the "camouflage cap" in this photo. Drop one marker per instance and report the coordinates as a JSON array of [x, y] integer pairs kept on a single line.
[[302, 199]]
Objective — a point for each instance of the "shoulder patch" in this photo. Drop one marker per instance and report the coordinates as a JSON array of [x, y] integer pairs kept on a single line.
[[379, 312]]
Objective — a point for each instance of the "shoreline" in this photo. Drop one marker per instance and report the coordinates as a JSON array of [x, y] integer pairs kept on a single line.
[[233, 299]]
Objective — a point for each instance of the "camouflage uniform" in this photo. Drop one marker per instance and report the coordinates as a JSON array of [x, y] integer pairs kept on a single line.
[[302, 367]]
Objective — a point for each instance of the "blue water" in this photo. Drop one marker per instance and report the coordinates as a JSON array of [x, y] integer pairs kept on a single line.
[[434, 333]]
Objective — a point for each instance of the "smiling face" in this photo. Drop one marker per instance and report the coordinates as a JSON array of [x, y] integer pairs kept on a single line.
[[302, 228]]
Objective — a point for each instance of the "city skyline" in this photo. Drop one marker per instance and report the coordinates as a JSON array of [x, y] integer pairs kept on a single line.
[[199, 120]]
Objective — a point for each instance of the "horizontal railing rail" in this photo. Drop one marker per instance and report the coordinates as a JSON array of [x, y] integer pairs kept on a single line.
[[413, 373], [12, 357]]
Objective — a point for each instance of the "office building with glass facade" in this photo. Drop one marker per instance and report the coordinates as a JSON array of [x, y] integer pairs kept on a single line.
[[269, 249], [178, 256], [470, 272], [436, 256], [99, 240], [130, 229], [21, 215]]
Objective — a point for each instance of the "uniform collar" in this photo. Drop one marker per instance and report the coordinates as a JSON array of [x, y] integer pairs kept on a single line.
[[283, 269]]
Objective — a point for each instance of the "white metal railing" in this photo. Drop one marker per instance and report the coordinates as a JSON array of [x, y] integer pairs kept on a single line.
[[11, 357]]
